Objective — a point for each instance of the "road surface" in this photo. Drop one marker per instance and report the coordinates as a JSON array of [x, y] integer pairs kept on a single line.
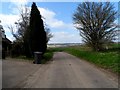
[[65, 71]]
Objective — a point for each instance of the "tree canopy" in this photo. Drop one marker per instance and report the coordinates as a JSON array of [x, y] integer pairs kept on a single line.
[[30, 33], [95, 23]]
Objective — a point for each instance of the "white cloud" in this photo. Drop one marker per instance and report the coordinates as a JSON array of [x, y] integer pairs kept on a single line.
[[48, 14], [66, 37], [7, 20], [60, 36], [52, 22], [16, 5], [19, 2]]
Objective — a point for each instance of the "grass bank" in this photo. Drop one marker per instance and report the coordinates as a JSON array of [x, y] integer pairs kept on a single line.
[[108, 59], [46, 57]]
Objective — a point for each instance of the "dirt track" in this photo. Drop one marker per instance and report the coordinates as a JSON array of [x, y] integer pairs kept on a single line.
[[65, 71]]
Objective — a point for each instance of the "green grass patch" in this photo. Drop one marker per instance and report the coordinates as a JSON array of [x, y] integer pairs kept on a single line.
[[59, 49], [47, 57], [108, 59]]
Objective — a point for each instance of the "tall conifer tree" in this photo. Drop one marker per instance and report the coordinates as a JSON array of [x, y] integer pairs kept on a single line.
[[37, 38]]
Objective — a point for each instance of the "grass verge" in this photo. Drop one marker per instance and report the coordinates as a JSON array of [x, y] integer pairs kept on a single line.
[[108, 59], [46, 57]]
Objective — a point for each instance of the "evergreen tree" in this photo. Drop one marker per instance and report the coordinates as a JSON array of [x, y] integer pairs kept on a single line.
[[37, 38]]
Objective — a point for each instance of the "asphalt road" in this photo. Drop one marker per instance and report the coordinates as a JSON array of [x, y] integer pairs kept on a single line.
[[65, 71], [14, 72]]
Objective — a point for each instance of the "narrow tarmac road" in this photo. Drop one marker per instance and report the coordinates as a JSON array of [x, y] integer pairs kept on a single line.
[[67, 71], [14, 72]]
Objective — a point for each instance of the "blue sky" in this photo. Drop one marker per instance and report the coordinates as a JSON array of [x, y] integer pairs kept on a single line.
[[58, 16]]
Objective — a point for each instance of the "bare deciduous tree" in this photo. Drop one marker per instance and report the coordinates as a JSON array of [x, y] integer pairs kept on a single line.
[[95, 23], [48, 33], [21, 31]]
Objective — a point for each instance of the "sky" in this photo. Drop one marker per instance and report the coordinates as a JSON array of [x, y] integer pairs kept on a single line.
[[57, 13]]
